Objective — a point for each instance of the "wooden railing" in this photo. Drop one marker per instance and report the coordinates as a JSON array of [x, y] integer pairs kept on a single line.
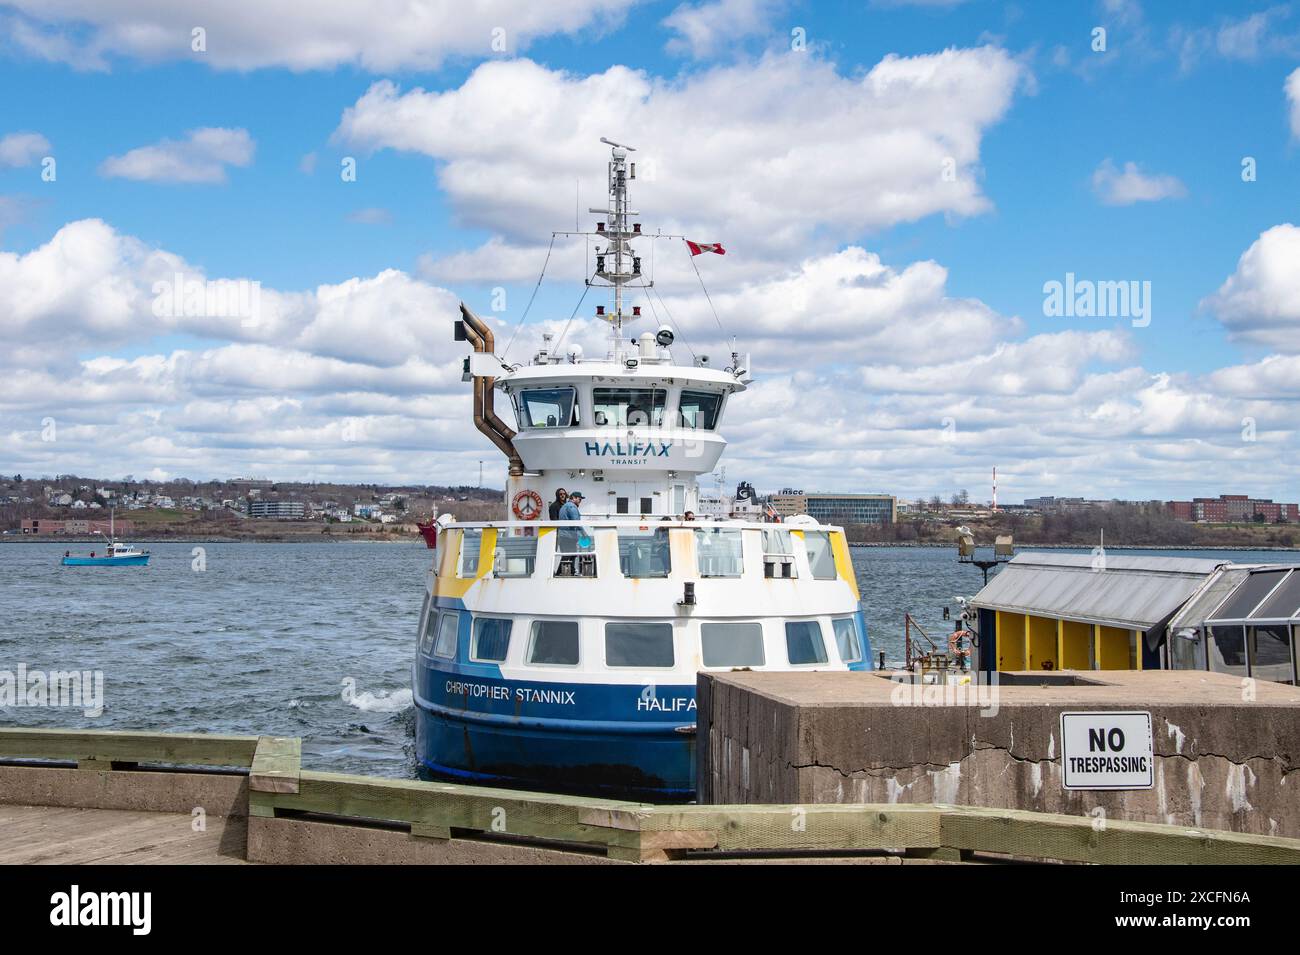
[[279, 787]]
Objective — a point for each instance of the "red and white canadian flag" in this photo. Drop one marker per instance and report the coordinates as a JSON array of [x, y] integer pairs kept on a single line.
[[698, 247]]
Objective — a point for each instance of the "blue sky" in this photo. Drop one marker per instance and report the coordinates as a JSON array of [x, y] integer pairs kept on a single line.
[[1183, 91]]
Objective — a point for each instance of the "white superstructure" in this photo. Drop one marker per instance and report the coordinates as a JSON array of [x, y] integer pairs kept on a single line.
[[564, 653]]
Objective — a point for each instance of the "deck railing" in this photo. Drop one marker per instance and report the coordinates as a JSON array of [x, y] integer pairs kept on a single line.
[[278, 787]]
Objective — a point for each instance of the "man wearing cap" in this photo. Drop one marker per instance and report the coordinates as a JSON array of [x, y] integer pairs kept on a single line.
[[569, 536]]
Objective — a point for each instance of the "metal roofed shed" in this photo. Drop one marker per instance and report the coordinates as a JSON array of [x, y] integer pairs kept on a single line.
[[1049, 611], [1245, 622]]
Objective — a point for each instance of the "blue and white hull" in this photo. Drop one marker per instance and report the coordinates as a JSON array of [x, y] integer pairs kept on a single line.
[[575, 719], [648, 759]]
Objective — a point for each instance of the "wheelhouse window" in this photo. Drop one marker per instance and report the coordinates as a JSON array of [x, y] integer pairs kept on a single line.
[[448, 625], [423, 625], [491, 640], [430, 631], [778, 553], [546, 408], [471, 542], [639, 644], [803, 642], [699, 409], [718, 552], [821, 561], [516, 555], [644, 553], [847, 639], [554, 643], [628, 407], [732, 644]]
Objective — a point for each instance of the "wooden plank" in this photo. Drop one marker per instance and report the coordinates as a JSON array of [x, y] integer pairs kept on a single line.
[[409, 800], [1084, 839], [665, 839], [40, 835], [825, 826], [187, 749], [277, 764]]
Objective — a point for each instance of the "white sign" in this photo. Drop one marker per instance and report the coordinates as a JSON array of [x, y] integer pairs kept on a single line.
[[1106, 750]]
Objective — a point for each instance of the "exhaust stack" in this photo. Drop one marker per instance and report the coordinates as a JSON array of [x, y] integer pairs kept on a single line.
[[485, 419]]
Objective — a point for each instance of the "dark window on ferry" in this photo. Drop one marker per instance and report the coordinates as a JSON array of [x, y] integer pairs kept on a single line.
[[643, 553], [620, 505], [647, 505], [628, 407], [718, 552], [448, 625], [423, 625], [430, 631], [803, 642], [846, 639], [732, 644], [821, 560], [491, 639], [470, 544], [546, 408], [699, 409], [639, 644], [554, 643]]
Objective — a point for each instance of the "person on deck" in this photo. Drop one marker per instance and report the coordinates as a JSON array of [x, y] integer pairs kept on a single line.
[[570, 536], [561, 495]]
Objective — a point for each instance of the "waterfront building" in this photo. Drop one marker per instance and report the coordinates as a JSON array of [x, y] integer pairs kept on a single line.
[[277, 510], [838, 508]]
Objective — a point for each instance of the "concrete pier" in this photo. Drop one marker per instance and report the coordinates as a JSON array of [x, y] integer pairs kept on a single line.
[[1224, 749], [97, 797]]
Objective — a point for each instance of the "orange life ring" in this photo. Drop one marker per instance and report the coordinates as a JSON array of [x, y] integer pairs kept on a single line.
[[527, 505], [954, 645]]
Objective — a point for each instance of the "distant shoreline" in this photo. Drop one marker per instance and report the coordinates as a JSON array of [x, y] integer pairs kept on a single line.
[[200, 539], [1023, 547], [415, 540]]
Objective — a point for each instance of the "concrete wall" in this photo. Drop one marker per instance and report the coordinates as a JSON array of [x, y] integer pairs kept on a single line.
[[1223, 760]]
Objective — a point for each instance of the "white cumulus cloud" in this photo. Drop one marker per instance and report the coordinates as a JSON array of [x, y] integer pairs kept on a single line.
[[1293, 98], [1260, 301], [743, 153], [22, 149], [704, 28], [202, 156], [378, 35], [1116, 187]]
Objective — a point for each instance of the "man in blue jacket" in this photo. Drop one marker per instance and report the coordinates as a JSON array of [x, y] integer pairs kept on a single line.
[[569, 536]]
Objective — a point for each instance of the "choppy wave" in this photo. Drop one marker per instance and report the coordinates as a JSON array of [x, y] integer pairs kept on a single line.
[[382, 702]]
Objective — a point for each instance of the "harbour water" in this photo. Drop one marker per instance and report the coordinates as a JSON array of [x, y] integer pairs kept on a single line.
[[312, 640]]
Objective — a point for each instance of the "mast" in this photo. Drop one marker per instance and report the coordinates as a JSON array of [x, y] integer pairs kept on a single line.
[[618, 231]]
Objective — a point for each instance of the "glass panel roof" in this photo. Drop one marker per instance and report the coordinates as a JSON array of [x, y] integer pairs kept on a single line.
[[1252, 590], [1284, 604]]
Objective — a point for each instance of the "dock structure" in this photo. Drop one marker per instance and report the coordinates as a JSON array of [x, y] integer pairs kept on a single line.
[[1216, 753], [87, 797]]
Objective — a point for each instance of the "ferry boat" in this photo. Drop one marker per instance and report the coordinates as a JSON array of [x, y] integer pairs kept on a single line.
[[562, 654]]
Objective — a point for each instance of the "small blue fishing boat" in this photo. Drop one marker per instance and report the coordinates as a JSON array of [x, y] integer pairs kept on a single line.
[[116, 554]]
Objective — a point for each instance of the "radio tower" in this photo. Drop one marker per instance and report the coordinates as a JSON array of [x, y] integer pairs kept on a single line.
[[995, 489]]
